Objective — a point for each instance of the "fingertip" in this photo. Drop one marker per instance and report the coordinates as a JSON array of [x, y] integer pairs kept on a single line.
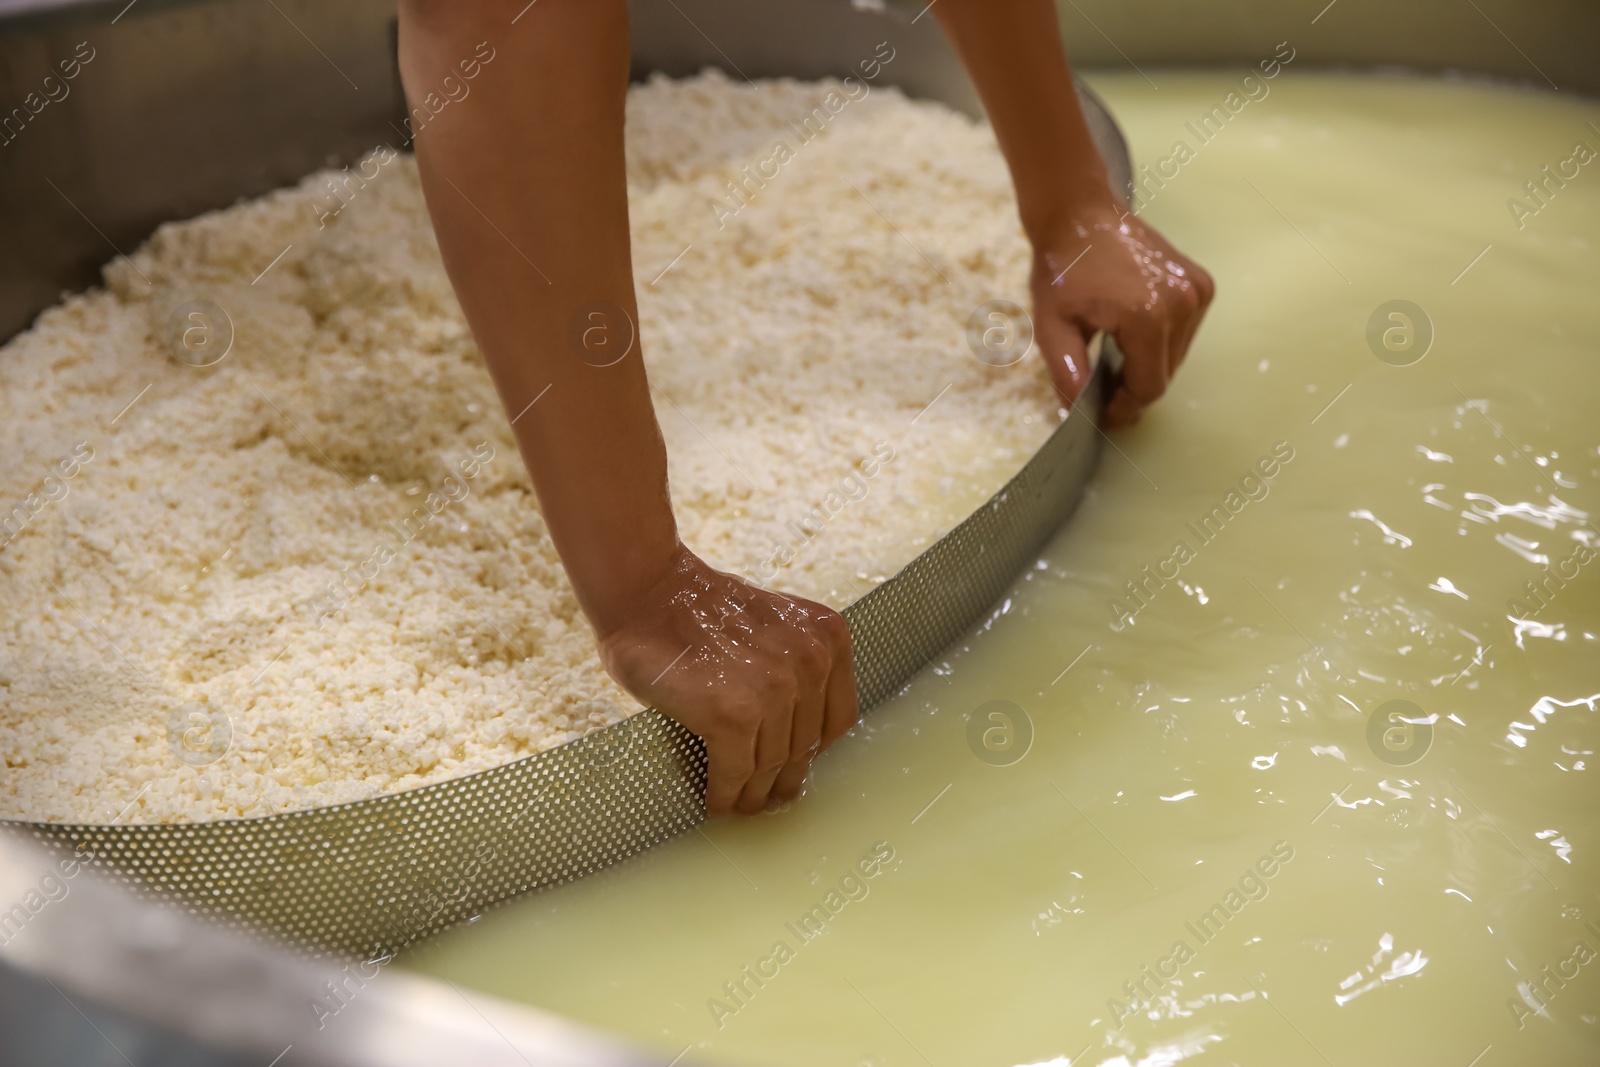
[[792, 779], [1069, 372], [1123, 411], [843, 713], [722, 796], [1069, 387], [1065, 351], [829, 738]]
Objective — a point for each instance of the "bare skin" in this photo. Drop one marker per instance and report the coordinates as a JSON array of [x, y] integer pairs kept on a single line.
[[526, 187], [1095, 266]]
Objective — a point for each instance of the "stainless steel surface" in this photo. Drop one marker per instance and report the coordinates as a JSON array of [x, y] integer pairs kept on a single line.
[[192, 104], [189, 105], [157, 988], [184, 107], [1548, 44], [365, 879]]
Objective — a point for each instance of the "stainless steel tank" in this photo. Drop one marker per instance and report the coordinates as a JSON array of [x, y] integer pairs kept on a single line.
[[182, 106]]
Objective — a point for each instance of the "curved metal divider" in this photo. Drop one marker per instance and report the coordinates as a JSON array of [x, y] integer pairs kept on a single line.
[[367, 878]]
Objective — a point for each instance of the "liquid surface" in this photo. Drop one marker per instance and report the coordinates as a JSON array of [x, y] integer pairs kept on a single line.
[[1206, 850]]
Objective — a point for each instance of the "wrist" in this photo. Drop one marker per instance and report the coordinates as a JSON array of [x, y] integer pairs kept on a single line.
[[644, 575], [1069, 208]]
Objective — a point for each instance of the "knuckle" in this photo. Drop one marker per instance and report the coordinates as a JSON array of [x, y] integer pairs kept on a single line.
[[836, 628], [731, 753], [773, 687], [814, 657], [737, 767], [735, 713]]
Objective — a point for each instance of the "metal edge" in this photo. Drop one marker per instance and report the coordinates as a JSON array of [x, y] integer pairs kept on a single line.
[[210, 991], [397, 884], [659, 736]]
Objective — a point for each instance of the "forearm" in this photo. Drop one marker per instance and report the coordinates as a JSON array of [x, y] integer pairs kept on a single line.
[[526, 184], [1012, 51]]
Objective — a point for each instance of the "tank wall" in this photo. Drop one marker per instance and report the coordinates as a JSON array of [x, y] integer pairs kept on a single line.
[[189, 105]]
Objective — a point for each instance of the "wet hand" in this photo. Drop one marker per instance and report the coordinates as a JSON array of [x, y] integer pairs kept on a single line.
[[1103, 269], [764, 679]]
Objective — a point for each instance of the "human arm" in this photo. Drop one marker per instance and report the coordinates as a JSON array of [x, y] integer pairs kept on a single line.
[[1096, 266], [526, 185]]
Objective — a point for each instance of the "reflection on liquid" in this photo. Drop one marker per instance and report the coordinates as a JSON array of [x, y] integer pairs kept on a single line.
[[1329, 798]]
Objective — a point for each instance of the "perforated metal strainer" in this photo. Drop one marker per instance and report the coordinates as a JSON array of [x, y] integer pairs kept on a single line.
[[367, 878]]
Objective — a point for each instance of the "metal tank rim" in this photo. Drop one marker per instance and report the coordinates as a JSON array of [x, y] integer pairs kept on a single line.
[[365, 878]]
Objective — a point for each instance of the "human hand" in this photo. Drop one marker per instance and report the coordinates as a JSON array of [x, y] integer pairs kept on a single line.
[[1104, 269], [764, 679]]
